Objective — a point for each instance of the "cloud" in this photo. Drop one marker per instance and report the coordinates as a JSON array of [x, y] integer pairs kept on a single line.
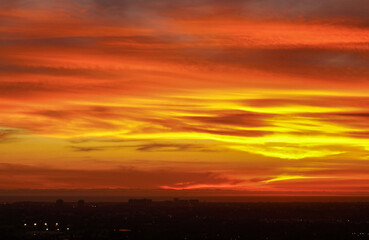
[[83, 111], [228, 132], [149, 147], [240, 118], [336, 11], [339, 185], [173, 147], [11, 4], [330, 65], [91, 149], [56, 71], [18, 88], [249, 86], [9, 134], [16, 175]]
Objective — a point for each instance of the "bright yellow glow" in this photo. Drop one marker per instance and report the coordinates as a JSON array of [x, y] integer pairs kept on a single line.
[[288, 178]]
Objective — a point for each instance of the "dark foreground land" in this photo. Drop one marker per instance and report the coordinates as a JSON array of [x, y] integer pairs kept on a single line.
[[183, 219]]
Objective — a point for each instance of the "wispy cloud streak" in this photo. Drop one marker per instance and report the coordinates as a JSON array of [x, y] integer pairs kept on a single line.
[[266, 95]]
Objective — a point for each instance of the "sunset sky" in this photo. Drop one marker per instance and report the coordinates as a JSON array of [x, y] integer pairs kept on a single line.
[[238, 96]]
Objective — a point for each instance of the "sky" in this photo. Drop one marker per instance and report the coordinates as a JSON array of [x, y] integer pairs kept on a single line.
[[237, 97]]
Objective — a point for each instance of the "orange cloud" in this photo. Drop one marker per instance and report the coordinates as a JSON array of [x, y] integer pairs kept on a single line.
[[245, 96]]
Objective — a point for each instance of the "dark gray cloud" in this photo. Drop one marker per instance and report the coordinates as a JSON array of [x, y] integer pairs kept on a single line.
[[6, 4], [346, 12], [310, 10], [333, 11]]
